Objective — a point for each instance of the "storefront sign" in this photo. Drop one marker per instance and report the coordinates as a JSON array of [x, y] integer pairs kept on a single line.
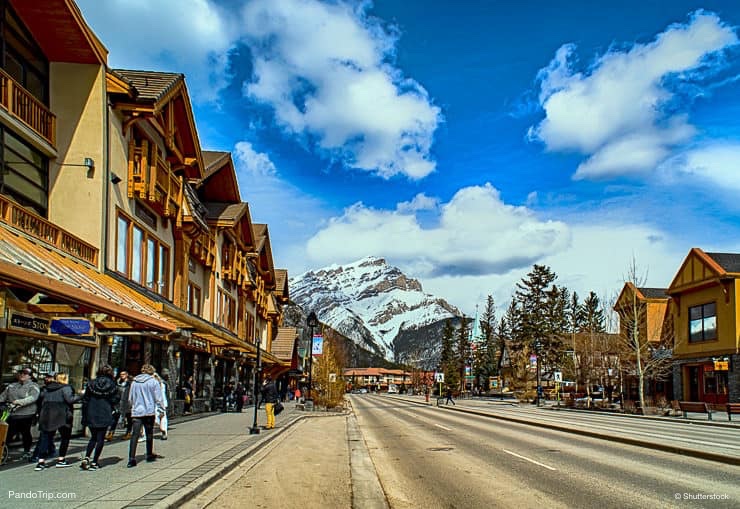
[[70, 326], [28, 323], [198, 343], [721, 365]]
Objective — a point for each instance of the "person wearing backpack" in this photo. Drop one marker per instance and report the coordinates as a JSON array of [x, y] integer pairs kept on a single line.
[[56, 400], [98, 402]]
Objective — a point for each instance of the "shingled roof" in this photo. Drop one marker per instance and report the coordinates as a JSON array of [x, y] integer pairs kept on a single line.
[[230, 212], [284, 342], [654, 293], [151, 85], [728, 261]]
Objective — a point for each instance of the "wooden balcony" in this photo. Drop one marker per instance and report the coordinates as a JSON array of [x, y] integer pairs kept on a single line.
[[152, 180], [26, 108], [39, 228], [203, 249]]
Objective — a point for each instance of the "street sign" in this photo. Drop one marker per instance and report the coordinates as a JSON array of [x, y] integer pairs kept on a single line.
[[439, 377], [558, 376], [332, 377]]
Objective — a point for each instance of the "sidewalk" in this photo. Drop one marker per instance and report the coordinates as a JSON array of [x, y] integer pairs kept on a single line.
[[197, 452]]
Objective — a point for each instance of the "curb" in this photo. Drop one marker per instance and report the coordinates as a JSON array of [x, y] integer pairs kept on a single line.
[[711, 456]]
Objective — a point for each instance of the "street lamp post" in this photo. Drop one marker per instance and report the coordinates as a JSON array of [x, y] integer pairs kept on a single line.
[[537, 346], [254, 430], [312, 321]]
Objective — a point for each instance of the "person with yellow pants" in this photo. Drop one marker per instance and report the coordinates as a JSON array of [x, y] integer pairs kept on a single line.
[[270, 397]]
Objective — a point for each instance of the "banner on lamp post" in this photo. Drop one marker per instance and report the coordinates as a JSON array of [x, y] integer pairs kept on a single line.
[[317, 346]]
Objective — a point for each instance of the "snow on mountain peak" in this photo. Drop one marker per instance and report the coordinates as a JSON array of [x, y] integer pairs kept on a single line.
[[369, 301]]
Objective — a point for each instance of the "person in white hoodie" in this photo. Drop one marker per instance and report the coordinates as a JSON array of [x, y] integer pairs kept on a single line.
[[161, 419], [145, 397]]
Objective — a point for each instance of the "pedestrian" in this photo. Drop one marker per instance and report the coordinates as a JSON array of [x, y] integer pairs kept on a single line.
[[449, 397], [50, 451], [297, 395], [270, 397], [119, 412], [187, 389], [22, 394], [240, 393], [99, 401], [145, 398], [161, 418], [124, 407], [57, 398]]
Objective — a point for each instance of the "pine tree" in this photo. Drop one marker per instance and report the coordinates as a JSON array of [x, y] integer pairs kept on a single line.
[[447, 360], [489, 356], [463, 350]]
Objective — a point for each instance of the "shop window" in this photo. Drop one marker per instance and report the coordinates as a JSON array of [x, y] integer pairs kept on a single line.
[[194, 299], [703, 322]]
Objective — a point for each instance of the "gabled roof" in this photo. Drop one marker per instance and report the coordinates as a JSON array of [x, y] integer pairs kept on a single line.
[[653, 293], [281, 284], [219, 182], [193, 208], [283, 345], [730, 262], [151, 85], [264, 252], [225, 214], [61, 31]]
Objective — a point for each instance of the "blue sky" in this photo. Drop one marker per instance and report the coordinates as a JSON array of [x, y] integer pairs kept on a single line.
[[463, 141]]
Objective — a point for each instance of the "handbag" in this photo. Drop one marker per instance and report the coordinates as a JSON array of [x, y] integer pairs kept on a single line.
[[277, 408]]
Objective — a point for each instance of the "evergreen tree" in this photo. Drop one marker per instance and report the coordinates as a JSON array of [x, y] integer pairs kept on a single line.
[[593, 315], [463, 351], [447, 361], [490, 343], [532, 297]]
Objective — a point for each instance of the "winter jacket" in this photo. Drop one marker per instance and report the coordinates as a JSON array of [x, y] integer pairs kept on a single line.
[[145, 396], [100, 399], [56, 402], [23, 394], [123, 389], [269, 392]]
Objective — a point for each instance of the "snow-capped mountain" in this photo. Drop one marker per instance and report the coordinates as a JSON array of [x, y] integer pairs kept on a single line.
[[372, 303]]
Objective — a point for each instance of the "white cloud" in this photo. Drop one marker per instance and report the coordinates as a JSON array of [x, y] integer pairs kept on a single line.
[[715, 163], [476, 234], [253, 162], [196, 38], [324, 68], [616, 110]]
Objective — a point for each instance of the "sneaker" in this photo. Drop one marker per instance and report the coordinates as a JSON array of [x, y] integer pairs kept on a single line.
[[63, 464], [85, 464], [40, 466], [127, 436], [93, 466], [164, 435], [109, 436], [131, 463]]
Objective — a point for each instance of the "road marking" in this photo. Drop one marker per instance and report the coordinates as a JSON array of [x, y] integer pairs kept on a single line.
[[529, 459], [443, 427]]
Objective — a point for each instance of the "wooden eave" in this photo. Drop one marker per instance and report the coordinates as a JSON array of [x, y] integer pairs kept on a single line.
[[220, 183], [61, 31]]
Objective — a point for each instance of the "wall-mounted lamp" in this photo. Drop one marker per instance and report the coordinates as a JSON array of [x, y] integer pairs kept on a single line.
[[110, 340], [177, 354], [115, 179], [88, 163]]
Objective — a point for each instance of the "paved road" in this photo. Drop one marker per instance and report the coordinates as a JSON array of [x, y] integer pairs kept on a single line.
[[428, 457]]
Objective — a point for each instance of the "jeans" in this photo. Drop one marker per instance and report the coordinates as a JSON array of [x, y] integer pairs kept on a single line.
[[270, 410], [46, 442], [97, 440], [147, 421]]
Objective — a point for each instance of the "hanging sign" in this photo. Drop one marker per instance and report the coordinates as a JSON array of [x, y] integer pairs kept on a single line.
[[317, 346], [70, 326], [28, 322]]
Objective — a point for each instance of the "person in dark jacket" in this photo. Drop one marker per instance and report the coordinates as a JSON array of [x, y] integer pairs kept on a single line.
[[240, 393], [56, 401], [270, 397], [99, 401], [124, 409]]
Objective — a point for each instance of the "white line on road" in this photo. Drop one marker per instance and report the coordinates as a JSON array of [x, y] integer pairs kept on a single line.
[[529, 459], [443, 427]]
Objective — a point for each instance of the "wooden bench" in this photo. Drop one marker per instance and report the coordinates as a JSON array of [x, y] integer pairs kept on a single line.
[[699, 407], [732, 408]]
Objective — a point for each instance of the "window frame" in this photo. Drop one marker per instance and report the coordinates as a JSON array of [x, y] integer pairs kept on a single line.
[[702, 320], [161, 251]]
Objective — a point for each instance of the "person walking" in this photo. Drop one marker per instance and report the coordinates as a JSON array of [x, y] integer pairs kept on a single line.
[[23, 395], [98, 404], [161, 418], [187, 389], [297, 395], [56, 401], [449, 397], [145, 398], [239, 392], [123, 411], [270, 397]]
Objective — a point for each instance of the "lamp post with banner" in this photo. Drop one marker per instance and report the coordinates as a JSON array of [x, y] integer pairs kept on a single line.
[[312, 321]]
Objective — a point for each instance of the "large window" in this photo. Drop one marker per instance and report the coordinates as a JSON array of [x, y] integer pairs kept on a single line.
[[141, 257], [703, 322], [25, 173], [226, 310], [194, 299]]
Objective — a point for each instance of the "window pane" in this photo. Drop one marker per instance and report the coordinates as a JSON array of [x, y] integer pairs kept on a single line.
[[136, 252], [151, 262], [164, 270], [710, 309], [710, 327], [695, 330], [695, 313], [122, 248]]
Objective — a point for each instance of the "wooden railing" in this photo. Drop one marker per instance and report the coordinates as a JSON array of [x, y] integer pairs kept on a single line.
[[26, 108], [36, 226], [153, 180]]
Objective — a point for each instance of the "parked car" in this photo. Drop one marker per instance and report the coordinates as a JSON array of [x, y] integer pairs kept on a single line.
[[392, 389]]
